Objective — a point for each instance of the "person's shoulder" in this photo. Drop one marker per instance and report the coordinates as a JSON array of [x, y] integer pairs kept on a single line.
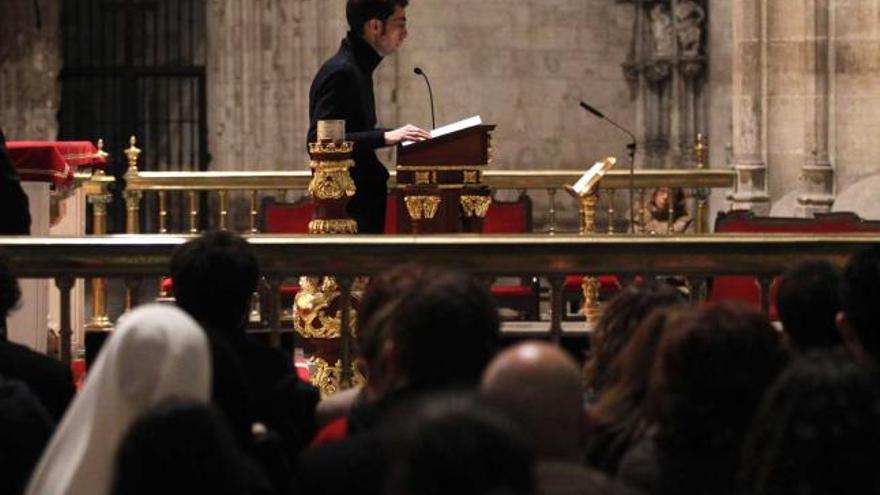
[[23, 358], [339, 65]]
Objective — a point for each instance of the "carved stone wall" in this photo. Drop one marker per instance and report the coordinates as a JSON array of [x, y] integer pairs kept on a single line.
[[30, 60]]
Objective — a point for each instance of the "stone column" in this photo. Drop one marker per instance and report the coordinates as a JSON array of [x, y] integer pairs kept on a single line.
[[749, 62], [817, 175]]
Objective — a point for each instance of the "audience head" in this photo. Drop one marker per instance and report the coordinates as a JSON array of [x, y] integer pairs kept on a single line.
[[215, 277], [817, 430], [660, 202], [25, 428], [622, 409], [453, 445], [10, 293], [808, 301], [440, 334], [182, 447], [859, 295], [617, 324], [157, 352], [711, 374], [539, 386]]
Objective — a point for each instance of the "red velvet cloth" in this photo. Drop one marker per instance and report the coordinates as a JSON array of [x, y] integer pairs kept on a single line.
[[52, 161]]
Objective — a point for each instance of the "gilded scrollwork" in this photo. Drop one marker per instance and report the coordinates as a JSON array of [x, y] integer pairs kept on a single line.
[[334, 226], [422, 207], [331, 181], [476, 206], [328, 378]]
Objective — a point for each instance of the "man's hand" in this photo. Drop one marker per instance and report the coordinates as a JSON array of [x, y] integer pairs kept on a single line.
[[408, 132]]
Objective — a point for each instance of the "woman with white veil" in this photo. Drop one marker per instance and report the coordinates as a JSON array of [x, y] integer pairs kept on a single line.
[[157, 352]]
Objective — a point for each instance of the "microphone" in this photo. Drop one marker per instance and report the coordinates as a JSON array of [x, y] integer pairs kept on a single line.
[[632, 160], [419, 72]]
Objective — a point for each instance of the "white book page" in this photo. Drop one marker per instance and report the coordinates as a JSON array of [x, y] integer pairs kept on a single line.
[[453, 127]]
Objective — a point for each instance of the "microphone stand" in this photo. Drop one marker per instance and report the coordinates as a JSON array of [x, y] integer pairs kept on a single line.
[[631, 148], [419, 71]]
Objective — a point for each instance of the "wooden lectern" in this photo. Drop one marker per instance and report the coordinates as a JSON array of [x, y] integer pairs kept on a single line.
[[439, 182]]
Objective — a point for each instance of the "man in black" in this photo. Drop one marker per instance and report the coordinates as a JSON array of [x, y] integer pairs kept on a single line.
[[343, 90], [16, 217]]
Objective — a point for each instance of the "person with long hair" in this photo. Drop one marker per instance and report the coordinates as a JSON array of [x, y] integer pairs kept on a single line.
[[619, 419], [654, 218], [817, 430]]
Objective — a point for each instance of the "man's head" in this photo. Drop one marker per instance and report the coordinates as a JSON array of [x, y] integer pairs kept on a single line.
[[859, 320], [808, 303], [440, 334], [214, 278], [523, 380], [381, 23]]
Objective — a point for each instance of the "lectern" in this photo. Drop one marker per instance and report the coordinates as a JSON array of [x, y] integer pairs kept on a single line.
[[439, 182]]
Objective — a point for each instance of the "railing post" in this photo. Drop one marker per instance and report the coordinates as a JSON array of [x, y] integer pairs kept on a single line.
[[551, 213], [347, 356], [65, 284], [132, 198], [193, 213], [97, 195], [590, 285], [556, 286], [253, 214]]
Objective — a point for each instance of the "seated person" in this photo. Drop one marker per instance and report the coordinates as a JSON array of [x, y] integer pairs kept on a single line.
[[653, 218]]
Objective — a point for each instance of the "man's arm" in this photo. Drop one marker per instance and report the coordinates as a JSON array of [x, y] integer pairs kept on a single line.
[[334, 100]]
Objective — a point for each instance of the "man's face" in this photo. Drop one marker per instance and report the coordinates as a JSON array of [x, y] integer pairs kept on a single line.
[[387, 36]]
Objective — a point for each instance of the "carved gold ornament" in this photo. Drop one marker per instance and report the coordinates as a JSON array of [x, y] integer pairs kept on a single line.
[[471, 176], [331, 180], [476, 206], [591, 286], [335, 226], [422, 207], [426, 177], [313, 313], [328, 378]]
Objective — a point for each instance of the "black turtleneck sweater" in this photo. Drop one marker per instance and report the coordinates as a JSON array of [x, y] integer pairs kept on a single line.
[[15, 217], [343, 89]]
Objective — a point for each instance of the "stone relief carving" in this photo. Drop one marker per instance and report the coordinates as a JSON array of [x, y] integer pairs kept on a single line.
[[689, 17], [662, 31]]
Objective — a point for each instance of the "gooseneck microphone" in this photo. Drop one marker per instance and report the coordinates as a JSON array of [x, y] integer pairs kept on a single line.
[[418, 71], [632, 161]]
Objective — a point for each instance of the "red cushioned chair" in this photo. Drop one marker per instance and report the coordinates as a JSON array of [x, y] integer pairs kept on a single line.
[[514, 217], [748, 289], [287, 218]]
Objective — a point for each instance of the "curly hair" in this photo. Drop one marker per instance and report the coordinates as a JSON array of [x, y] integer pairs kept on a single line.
[[817, 430]]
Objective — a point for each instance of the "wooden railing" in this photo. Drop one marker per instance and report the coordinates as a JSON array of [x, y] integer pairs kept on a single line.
[[699, 258]]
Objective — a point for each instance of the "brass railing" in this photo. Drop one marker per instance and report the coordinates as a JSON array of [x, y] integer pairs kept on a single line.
[[700, 181], [698, 258]]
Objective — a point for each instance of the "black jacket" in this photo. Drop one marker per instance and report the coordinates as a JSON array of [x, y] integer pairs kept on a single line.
[[50, 380], [343, 90], [16, 217]]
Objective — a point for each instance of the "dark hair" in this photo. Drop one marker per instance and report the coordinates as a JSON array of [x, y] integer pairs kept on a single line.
[[378, 305], [10, 293], [214, 279], [859, 296], [454, 445], [620, 414], [182, 447], [808, 301], [711, 373], [445, 330], [617, 324], [676, 198], [359, 12], [817, 430]]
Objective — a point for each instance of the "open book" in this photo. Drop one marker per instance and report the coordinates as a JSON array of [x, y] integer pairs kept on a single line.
[[591, 177], [450, 128]]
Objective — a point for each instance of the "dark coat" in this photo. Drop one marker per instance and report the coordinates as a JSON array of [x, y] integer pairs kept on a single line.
[[343, 90], [49, 379], [16, 216]]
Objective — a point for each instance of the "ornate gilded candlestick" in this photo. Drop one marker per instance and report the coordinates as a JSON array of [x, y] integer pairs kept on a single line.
[[318, 307]]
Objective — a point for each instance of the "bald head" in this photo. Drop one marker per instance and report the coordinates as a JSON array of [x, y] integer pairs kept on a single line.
[[539, 386]]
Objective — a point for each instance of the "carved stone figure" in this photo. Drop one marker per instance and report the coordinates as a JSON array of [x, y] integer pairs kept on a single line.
[[662, 30], [689, 17]]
